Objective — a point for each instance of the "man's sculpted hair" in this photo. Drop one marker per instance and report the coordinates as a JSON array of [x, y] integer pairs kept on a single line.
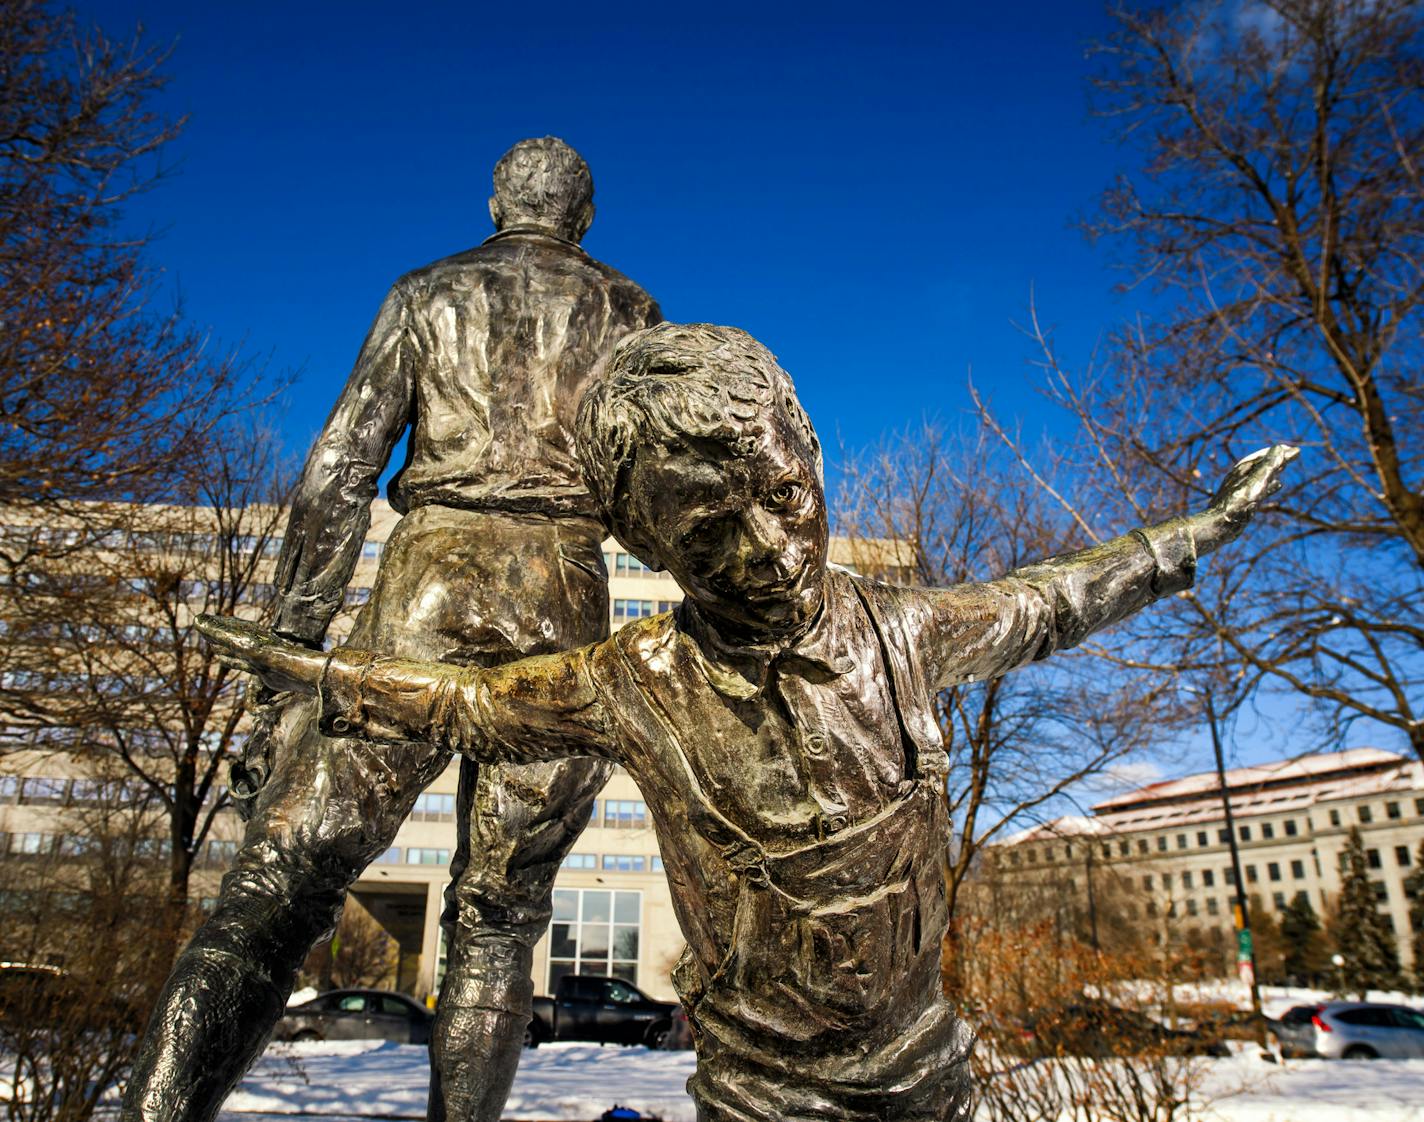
[[543, 182], [692, 389]]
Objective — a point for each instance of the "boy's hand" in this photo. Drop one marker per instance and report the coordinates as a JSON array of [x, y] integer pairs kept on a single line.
[[281, 665], [1249, 482]]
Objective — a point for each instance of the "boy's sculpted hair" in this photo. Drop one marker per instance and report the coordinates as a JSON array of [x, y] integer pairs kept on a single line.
[[687, 389]]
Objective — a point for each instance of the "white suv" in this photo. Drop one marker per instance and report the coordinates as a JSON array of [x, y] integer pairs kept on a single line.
[[1353, 1030]]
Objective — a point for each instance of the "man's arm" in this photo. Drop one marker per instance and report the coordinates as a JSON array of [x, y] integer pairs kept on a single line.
[[546, 707], [331, 509], [977, 631]]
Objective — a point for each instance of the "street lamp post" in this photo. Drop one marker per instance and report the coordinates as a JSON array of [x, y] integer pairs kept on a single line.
[[1245, 948]]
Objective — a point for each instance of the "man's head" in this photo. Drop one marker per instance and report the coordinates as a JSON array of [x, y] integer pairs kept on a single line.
[[705, 465], [543, 185]]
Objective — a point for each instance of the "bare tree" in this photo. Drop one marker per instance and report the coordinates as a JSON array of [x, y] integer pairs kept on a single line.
[[1275, 235], [102, 660], [101, 396], [359, 953], [936, 510], [83, 950]]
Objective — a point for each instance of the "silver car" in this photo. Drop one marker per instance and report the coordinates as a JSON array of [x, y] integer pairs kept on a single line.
[[1353, 1030], [357, 1015]]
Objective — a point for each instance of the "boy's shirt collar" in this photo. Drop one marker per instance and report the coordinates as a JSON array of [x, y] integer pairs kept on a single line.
[[741, 671]]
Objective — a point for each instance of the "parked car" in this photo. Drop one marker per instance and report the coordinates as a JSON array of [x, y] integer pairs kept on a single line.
[[1352, 1030], [605, 1010], [358, 1015], [1095, 1028]]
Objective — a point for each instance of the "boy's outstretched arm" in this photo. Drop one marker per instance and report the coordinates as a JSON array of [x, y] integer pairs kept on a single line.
[[539, 708], [976, 631]]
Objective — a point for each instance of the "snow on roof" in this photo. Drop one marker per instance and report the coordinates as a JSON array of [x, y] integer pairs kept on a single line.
[[1281, 787], [1301, 769]]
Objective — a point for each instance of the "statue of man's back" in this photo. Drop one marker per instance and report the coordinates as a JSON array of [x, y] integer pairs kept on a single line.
[[482, 357]]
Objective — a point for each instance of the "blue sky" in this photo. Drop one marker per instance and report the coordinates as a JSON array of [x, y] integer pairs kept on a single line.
[[872, 192]]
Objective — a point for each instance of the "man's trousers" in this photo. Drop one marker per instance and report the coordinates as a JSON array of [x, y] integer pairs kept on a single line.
[[475, 588]]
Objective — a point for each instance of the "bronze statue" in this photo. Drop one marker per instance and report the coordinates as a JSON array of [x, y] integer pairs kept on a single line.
[[780, 724], [482, 357]]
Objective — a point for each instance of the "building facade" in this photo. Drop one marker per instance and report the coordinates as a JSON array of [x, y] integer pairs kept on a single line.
[[1162, 850]]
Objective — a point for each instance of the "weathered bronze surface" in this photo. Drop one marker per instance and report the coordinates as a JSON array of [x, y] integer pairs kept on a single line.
[[780, 724], [481, 357]]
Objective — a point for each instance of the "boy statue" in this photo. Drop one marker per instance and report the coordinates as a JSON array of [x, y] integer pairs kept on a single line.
[[779, 723]]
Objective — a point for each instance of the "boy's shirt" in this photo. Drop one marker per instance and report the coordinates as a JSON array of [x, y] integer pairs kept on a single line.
[[795, 790]]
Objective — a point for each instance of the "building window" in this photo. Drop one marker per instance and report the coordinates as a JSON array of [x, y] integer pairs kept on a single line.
[[1181, 841], [1245, 832], [624, 610], [1191, 907], [1187, 879], [1298, 870], [31, 845], [1381, 892], [579, 861], [391, 856], [1167, 881], [9, 787], [1147, 883], [420, 856], [1279, 899], [1366, 815], [657, 864], [1334, 818], [594, 931], [43, 791], [356, 595], [1290, 827], [1211, 905], [626, 565], [1141, 845], [1107, 851], [1162, 843], [75, 845], [1391, 810], [1268, 829], [1251, 877], [1273, 870], [625, 814], [433, 808], [1401, 856], [1372, 859], [1229, 874], [1223, 836], [1419, 806], [624, 863], [371, 551], [1202, 838], [1208, 878], [221, 852]]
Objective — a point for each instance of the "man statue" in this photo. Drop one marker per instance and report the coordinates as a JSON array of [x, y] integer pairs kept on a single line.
[[482, 357]]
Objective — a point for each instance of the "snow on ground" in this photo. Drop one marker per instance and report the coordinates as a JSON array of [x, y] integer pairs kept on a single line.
[[366, 1078], [1275, 1000], [378, 1080], [1243, 1089]]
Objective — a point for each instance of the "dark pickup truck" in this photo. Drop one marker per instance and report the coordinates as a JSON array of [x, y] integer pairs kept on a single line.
[[606, 1010]]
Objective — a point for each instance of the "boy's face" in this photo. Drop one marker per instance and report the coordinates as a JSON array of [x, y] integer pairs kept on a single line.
[[745, 537]]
